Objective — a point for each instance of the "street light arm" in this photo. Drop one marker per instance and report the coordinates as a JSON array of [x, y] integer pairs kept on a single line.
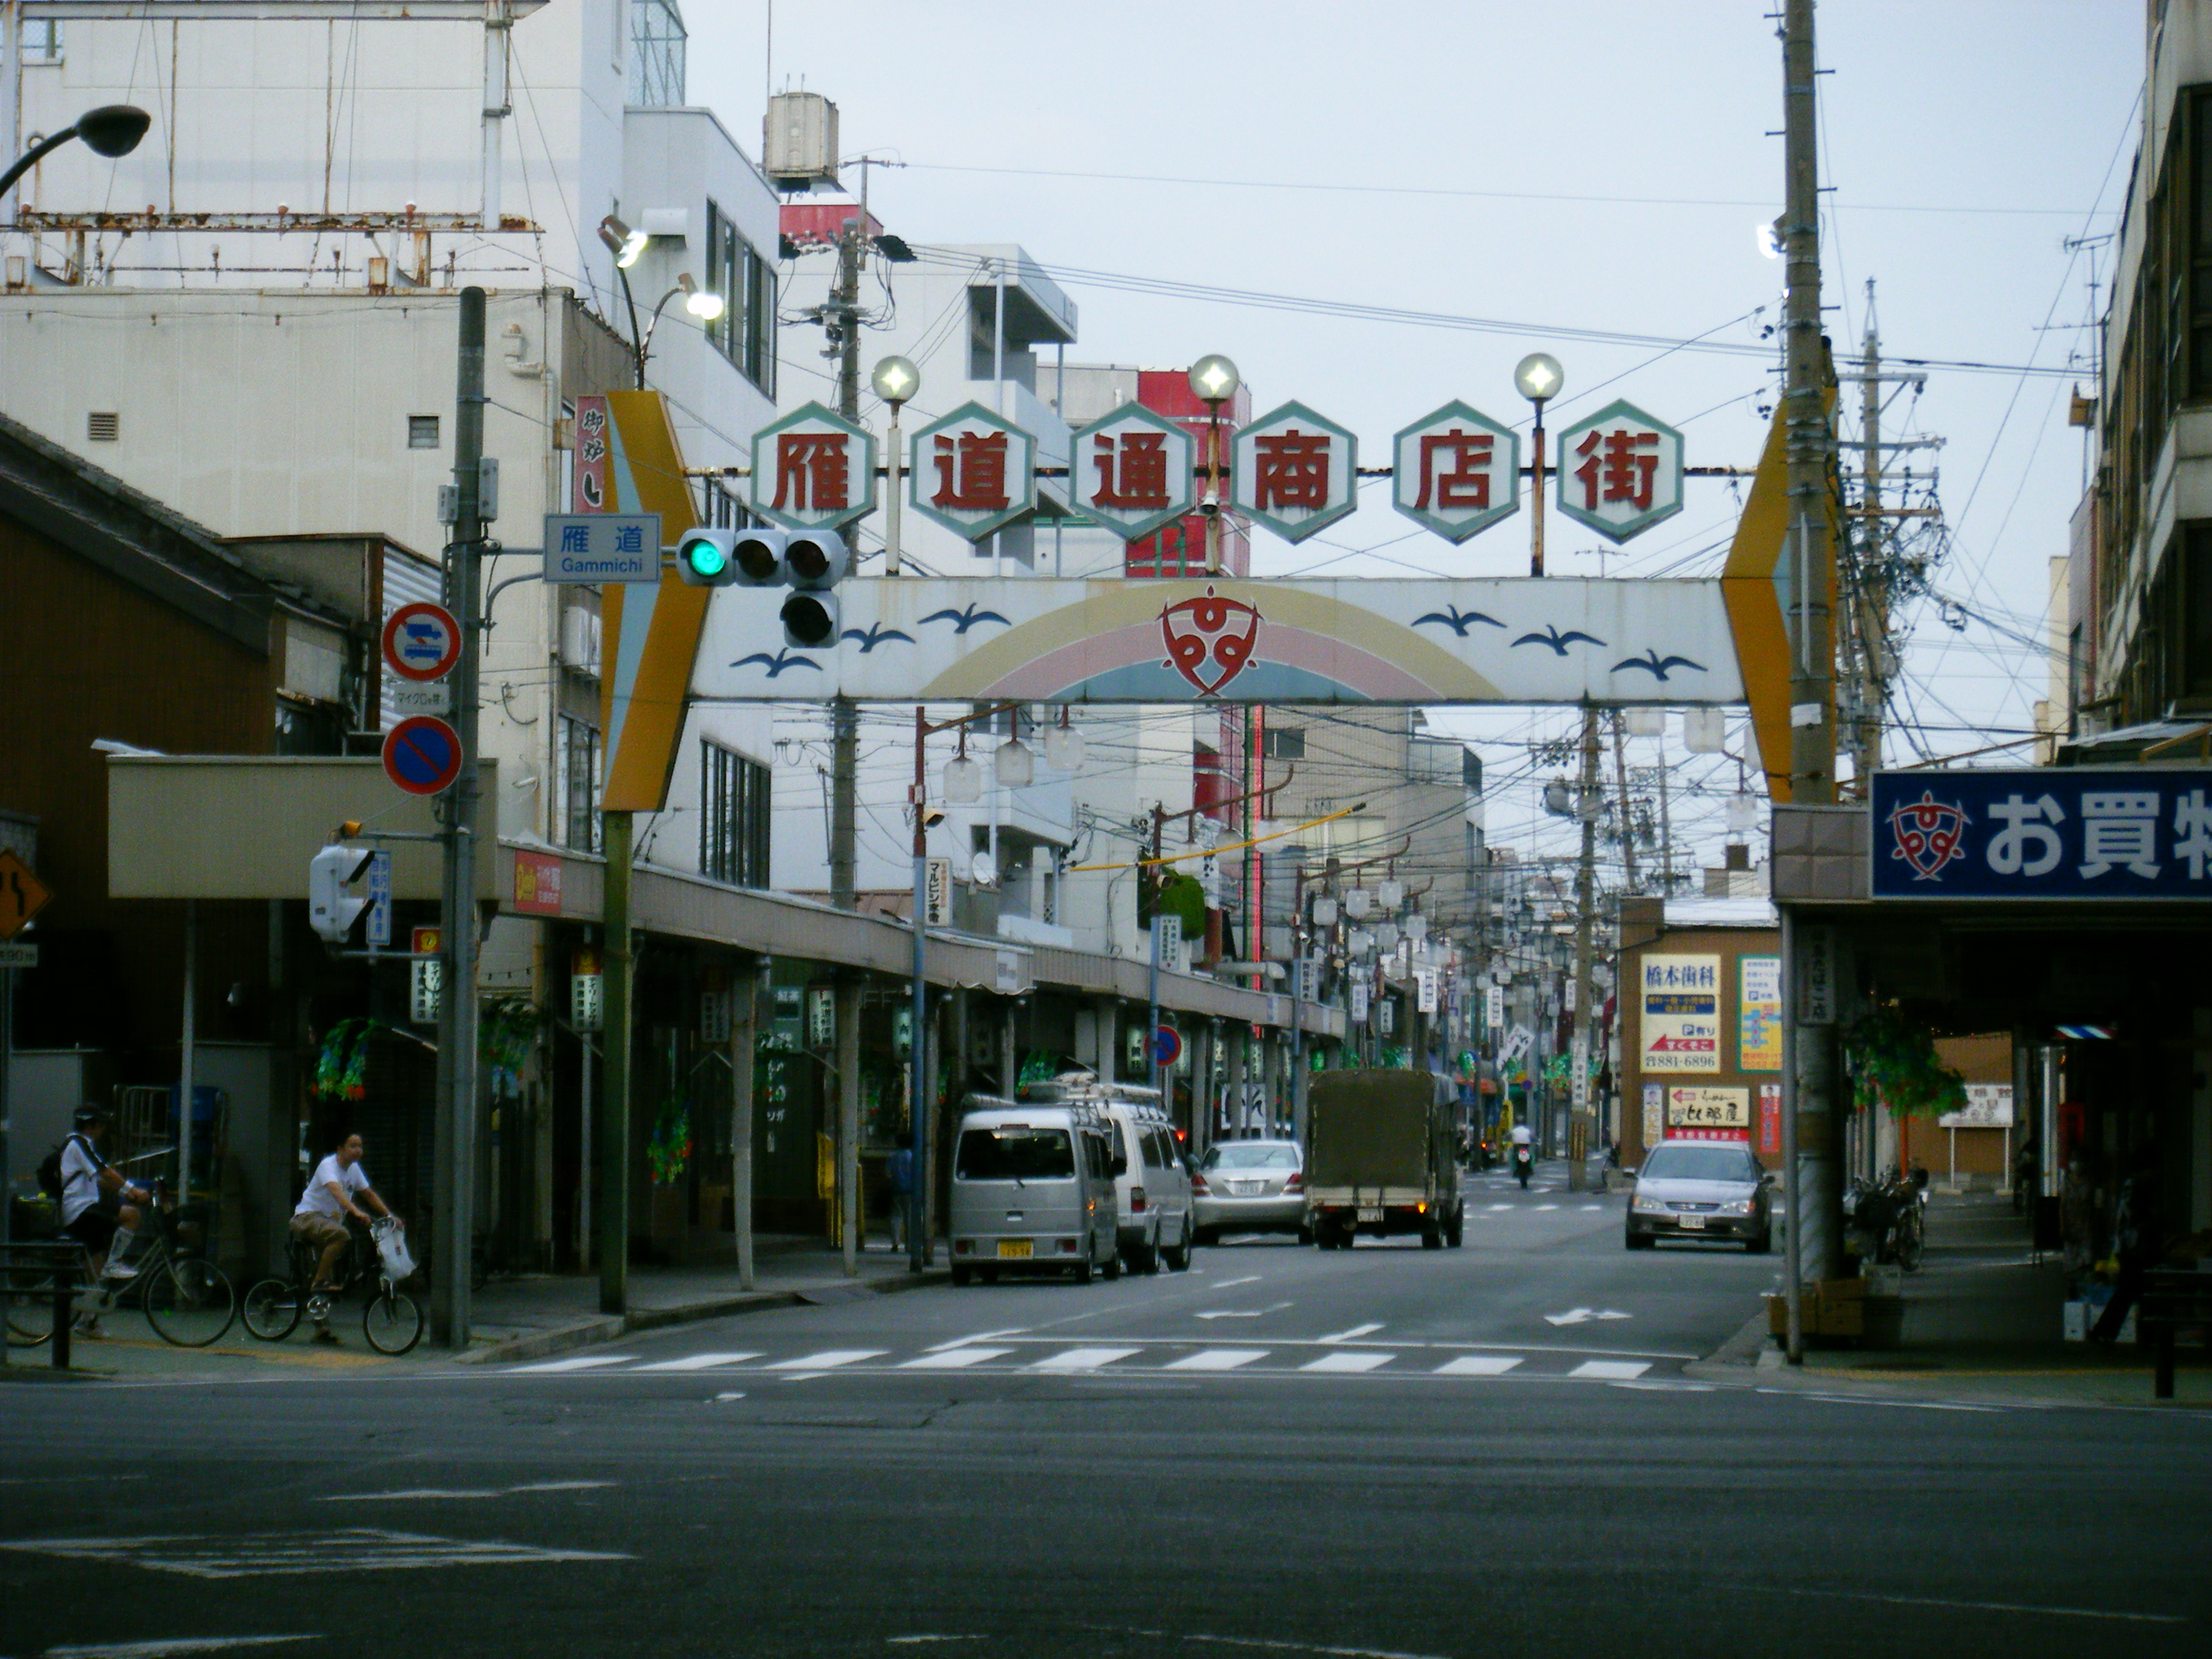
[[33, 157]]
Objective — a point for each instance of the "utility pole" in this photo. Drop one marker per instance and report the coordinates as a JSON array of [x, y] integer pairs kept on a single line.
[[844, 765], [454, 1159], [1627, 821], [1578, 1082]]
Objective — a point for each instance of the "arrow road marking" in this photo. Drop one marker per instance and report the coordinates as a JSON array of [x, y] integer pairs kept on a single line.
[[1583, 1315]]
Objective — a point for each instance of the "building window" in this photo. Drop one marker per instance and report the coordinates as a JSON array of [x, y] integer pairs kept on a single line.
[[577, 789], [42, 41], [657, 47], [103, 426], [1284, 743], [421, 432], [746, 332], [734, 805]]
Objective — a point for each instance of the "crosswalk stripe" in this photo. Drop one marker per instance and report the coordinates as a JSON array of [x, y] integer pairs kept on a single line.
[[1612, 1370], [1082, 1359], [1479, 1365], [697, 1362], [1592, 1207], [1218, 1359], [1540, 1208], [826, 1359], [1501, 1207], [1348, 1362], [953, 1359], [587, 1362]]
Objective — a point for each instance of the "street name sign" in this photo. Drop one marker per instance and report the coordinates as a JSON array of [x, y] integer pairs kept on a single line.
[[602, 547]]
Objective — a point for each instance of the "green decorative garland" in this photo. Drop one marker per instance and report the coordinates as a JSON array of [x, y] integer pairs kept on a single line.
[[1894, 1065], [341, 1068]]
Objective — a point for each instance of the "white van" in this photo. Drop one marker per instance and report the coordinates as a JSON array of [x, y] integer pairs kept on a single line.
[[1152, 1183], [1032, 1192]]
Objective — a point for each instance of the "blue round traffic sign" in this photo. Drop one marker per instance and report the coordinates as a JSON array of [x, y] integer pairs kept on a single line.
[[1167, 1045], [422, 755], [422, 641]]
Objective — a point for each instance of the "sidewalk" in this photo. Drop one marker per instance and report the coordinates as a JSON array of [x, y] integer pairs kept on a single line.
[[521, 1318], [1983, 1325]]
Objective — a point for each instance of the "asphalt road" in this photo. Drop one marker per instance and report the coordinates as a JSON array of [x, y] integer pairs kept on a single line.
[[1391, 1452]]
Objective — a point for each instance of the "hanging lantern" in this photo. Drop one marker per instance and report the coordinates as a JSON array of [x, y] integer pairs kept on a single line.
[[963, 779], [1704, 731], [1357, 903], [1417, 927], [1014, 765], [1385, 935], [1391, 893], [1324, 912], [1063, 746], [1742, 814], [1643, 722], [1361, 942]]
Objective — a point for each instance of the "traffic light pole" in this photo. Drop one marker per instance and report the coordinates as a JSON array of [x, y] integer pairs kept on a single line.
[[454, 1156]]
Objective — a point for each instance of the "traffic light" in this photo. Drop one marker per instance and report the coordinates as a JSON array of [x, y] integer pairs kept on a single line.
[[705, 558], [813, 562], [333, 911], [759, 557]]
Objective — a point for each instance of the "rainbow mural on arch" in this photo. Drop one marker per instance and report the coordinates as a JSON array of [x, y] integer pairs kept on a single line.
[[1505, 640]]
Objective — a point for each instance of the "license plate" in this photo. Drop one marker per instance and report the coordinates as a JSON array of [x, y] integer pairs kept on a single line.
[[1691, 1223], [1013, 1250], [1245, 1189], [1373, 1214]]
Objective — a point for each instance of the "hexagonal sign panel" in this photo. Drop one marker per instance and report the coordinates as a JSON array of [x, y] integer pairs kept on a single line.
[[1134, 471], [1620, 471], [974, 472], [1294, 471], [813, 469], [1456, 472]]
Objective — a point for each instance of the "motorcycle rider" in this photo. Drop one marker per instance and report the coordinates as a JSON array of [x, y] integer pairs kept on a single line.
[[1524, 1153]]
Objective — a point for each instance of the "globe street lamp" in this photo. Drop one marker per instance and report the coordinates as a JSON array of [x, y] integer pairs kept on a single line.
[[113, 129], [896, 380], [1537, 378], [1213, 380]]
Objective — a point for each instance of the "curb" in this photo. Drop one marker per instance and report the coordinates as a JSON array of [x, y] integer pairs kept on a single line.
[[608, 1328]]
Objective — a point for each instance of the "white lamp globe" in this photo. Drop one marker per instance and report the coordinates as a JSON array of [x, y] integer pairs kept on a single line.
[[1417, 928], [1063, 748], [963, 780], [1538, 377], [1324, 913], [1357, 903], [1014, 765], [1392, 893]]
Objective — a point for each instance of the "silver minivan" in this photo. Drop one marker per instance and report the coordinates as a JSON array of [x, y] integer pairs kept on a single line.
[[1032, 1192], [1151, 1183]]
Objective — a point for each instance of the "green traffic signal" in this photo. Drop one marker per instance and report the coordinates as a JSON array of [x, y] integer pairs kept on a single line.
[[703, 557]]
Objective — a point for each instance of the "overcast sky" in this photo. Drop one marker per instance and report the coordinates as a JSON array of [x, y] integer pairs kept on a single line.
[[1557, 167]]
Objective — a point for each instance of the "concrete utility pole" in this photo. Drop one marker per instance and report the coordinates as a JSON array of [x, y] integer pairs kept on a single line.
[[1627, 821], [1578, 1082], [844, 768], [454, 1156], [1810, 1125]]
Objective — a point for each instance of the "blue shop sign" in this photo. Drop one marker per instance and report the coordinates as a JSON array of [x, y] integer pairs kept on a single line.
[[2043, 833]]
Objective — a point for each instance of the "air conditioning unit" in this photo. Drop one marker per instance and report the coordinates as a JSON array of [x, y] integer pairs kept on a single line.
[[579, 640]]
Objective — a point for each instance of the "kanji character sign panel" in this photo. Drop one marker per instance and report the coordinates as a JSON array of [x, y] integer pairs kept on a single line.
[[974, 472], [1620, 471], [813, 470], [1456, 472], [2043, 833], [1294, 471], [1132, 470]]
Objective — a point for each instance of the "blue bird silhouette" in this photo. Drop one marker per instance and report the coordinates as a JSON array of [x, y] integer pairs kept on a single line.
[[1658, 664], [1456, 619], [965, 620], [782, 660], [876, 636], [1556, 640]]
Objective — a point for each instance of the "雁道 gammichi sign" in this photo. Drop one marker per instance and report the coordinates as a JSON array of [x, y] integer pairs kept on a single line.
[[813, 470]]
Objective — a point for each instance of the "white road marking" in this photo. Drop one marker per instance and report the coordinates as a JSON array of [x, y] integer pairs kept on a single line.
[[1612, 1370], [734, 1395], [587, 1362], [828, 1359], [697, 1362], [1900, 1405], [1218, 1359], [1082, 1359], [1249, 1278], [1243, 1313], [1281, 1646], [295, 1554], [1540, 1208], [1583, 1315], [952, 1359], [1347, 1362], [1501, 1207], [419, 1493], [1976, 1607], [161, 1649], [1352, 1335], [980, 1336], [1479, 1365]]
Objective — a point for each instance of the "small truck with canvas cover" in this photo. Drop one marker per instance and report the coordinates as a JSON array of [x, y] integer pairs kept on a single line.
[[1383, 1158]]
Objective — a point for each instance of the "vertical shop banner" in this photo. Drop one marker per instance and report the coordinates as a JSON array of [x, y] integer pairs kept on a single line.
[[1769, 1120], [1759, 1014], [1655, 1122], [1681, 1013]]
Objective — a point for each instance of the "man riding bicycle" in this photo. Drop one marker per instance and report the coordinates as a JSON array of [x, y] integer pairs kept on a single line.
[[319, 1221], [99, 1208]]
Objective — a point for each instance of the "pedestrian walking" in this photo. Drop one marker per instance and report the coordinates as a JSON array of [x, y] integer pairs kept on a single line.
[[2138, 1240], [2025, 1163], [900, 1169]]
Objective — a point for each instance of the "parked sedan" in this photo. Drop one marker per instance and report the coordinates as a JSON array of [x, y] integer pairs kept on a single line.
[[1250, 1186], [1701, 1189]]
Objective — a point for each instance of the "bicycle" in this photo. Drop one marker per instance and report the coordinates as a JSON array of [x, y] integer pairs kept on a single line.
[[392, 1320], [187, 1299]]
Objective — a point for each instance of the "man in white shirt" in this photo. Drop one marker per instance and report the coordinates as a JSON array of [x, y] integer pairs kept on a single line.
[[319, 1221], [99, 1208], [1523, 1135]]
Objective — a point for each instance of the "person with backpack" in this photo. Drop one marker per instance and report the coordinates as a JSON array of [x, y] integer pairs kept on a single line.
[[99, 1208]]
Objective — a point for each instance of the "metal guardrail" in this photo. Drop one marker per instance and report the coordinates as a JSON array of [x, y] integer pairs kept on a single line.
[[54, 1272]]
